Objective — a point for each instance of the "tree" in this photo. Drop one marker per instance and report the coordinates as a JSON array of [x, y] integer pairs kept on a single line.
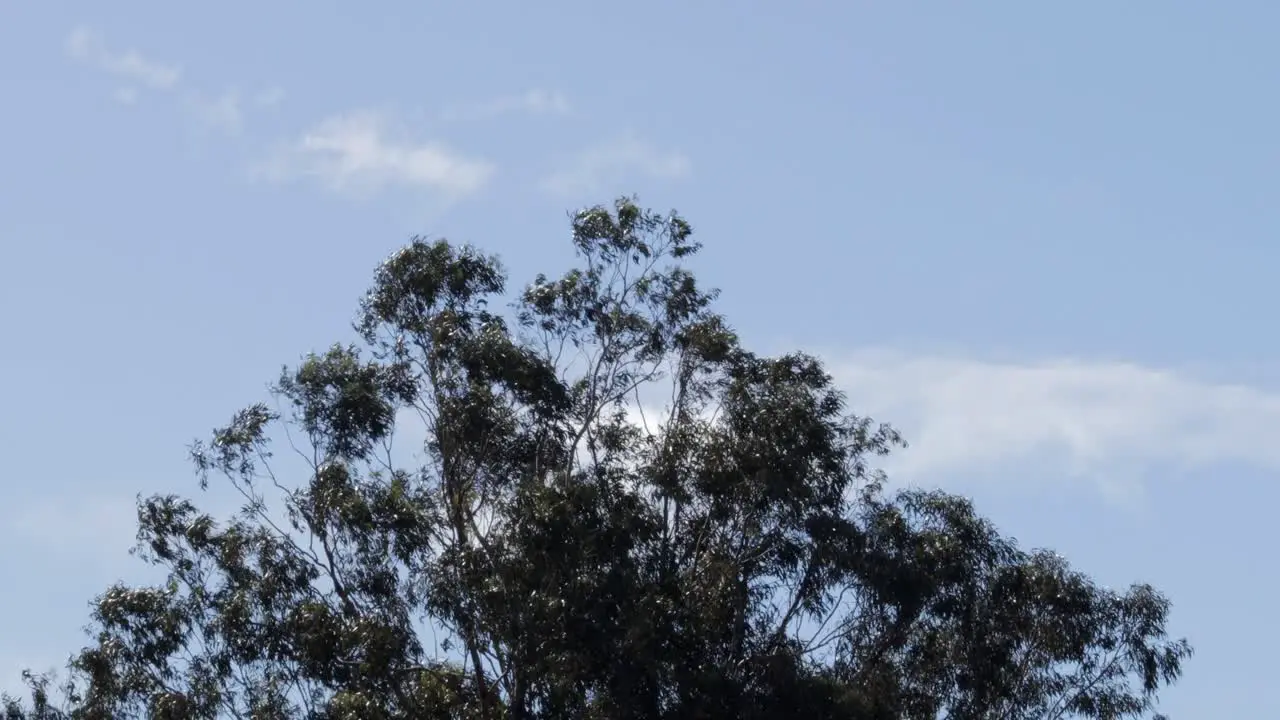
[[581, 554]]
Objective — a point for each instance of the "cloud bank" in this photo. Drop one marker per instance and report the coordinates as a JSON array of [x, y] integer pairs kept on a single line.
[[1109, 424]]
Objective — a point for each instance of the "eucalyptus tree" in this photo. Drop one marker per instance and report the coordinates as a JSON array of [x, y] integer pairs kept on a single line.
[[619, 511]]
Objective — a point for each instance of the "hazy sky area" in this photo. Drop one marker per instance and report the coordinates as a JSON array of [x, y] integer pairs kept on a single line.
[[1041, 238]]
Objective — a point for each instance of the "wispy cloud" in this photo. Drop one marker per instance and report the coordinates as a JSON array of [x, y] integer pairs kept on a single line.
[[359, 153], [1107, 423], [224, 111], [610, 163], [88, 46], [532, 102]]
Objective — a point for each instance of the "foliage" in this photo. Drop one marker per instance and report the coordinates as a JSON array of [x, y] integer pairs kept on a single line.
[[582, 554]]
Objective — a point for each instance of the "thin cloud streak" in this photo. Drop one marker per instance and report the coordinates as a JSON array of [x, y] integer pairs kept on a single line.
[[611, 163], [536, 102], [88, 46]]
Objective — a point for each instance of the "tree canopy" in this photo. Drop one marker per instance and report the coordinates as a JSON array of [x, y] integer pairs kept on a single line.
[[617, 511]]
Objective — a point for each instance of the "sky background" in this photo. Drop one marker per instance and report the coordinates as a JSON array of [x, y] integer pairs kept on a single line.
[[1040, 238]]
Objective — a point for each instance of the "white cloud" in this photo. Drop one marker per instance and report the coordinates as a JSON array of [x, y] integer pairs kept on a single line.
[[87, 46], [1109, 423], [613, 162], [358, 153], [532, 102]]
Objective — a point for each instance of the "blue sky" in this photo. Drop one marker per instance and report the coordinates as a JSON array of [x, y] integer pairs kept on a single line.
[[1034, 237]]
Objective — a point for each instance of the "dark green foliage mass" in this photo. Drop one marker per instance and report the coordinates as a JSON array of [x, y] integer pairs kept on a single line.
[[619, 512]]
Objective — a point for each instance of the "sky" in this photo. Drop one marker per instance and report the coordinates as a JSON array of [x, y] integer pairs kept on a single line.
[[1031, 235]]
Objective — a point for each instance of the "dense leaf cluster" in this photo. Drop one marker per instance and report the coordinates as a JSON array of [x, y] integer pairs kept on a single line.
[[620, 513]]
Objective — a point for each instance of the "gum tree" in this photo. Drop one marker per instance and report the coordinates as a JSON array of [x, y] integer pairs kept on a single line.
[[620, 512]]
